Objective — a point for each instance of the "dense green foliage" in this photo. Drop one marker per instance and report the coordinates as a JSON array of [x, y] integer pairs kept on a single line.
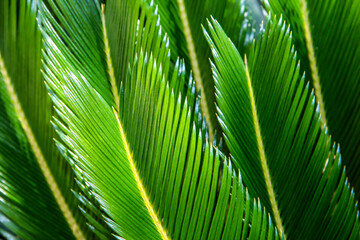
[[109, 109], [332, 28]]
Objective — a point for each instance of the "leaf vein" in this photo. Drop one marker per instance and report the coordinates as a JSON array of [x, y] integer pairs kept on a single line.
[[139, 183], [312, 60], [195, 65], [263, 160], [39, 155]]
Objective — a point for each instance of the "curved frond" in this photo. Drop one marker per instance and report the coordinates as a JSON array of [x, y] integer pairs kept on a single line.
[[273, 130], [36, 182], [121, 20], [24, 189], [181, 20], [327, 35], [148, 164]]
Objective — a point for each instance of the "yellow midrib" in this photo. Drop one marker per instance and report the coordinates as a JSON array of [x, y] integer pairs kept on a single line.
[[263, 160], [111, 73], [39, 155], [195, 66], [312, 61], [137, 178], [139, 183]]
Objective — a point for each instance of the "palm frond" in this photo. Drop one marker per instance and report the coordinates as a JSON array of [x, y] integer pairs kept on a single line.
[[149, 164], [134, 19], [36, 181], [121, 20], [27, 206], [327, 36], [181, 20], [272, 128]]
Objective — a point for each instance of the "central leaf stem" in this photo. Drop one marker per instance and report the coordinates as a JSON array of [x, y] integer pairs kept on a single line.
[[312, 60], [263, 160], [39, 155], [195, 66], [115, 93]]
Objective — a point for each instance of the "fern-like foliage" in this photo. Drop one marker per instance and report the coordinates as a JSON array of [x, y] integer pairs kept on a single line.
[[273, 130], [107, 116], [25, 193], [146, 160], [326, 36], [182, 19], [36, 198]]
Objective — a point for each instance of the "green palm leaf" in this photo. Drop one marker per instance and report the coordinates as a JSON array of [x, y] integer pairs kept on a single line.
[[36, 201], [25, 194], [327, 36], [272, 128], [182, 20], [146, 160]]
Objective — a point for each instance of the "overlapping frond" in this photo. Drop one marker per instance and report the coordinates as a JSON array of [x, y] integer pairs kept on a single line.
[[149, 164], [27, 205], [36, 199], [327, 37], [134, 19], [181, 20], [121, 21], [272, 128]]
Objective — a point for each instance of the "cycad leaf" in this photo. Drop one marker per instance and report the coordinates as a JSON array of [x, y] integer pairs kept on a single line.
[[148, 165], [182, 20], [327, 36], [36, 181], [121, 21], [133, 20], [273, 131], [25, 194]]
